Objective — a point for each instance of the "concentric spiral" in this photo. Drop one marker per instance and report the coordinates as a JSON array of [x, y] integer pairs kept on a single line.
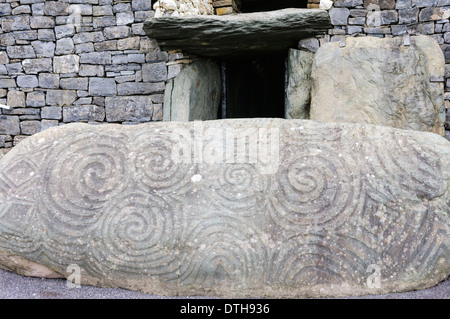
[[222, 250], [81, 178], [238, 188], [138, 236], [155, 168], [314, 190], [318, 260]]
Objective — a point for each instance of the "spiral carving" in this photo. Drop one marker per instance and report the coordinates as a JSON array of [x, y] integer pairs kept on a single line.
[[238, 188], [138, 236], [314, 191], [222, 249], [155, 168], [82, 178]]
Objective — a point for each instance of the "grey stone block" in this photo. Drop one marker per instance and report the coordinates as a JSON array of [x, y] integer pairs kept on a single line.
[[398, 29], [110, 45], [64, 46], [347, 3], [44, 49], [35, 66], [16, 98], [91, 70], [434, 14], [119, 32], [37, 9], [16, 23], [5, 9], [20, 52], [122, 7], [339, 16], [7, 83], [46, 35], [27, 81], [46, 124], [56, 8], [105, 21], [60, 97], [51, 112], [129, 43], [42, 22], [140, 88], [48, 81], [66, 64], [4, 57], [388, 17], [102, 10], [74, 84], [63, 31], [154, 72], [84, 48], [25, 9], [130, 108], [408, 16], [102, 87], [124, 18], [83, 113], [403, 4], [139, 5], [30, 127], [9, 125], [35, 99], [84, 37], [136, 58], [28, 35], [96, 58]]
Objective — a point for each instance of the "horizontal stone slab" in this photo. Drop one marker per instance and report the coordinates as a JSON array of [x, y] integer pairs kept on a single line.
[[312, 209], [229, 35]]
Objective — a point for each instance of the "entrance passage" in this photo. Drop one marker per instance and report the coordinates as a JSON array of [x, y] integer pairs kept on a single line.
[[254, 87], [269, 5]]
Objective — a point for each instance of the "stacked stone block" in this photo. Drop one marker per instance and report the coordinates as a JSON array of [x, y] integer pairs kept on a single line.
[[78, 61], [391, 18]]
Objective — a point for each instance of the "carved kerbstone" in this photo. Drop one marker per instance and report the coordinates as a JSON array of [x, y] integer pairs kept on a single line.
[[312, 210]]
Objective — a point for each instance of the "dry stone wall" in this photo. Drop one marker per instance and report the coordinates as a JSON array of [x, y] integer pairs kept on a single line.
[[78, 61]]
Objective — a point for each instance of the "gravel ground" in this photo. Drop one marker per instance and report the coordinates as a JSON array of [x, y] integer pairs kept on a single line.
[[13, 286]]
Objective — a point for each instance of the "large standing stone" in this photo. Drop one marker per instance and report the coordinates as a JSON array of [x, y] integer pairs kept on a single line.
[[320, 209], [380, 81], [298, 92], [194, 94]]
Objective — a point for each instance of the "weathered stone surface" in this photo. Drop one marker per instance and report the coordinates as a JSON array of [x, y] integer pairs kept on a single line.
[[9, 125], [20, 52], [379, 81], [339, 201], [35, 66], [61, 97], [231, 34], [129, 109], [102, 87], [298, 92], [194, 94], [66, 64]]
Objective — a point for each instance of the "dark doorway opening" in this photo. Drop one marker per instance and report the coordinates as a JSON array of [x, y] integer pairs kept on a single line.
[[254, 87], [269, 5]]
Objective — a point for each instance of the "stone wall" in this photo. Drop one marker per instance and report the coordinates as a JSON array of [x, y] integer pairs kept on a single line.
[[78, 61], [391, 18]]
